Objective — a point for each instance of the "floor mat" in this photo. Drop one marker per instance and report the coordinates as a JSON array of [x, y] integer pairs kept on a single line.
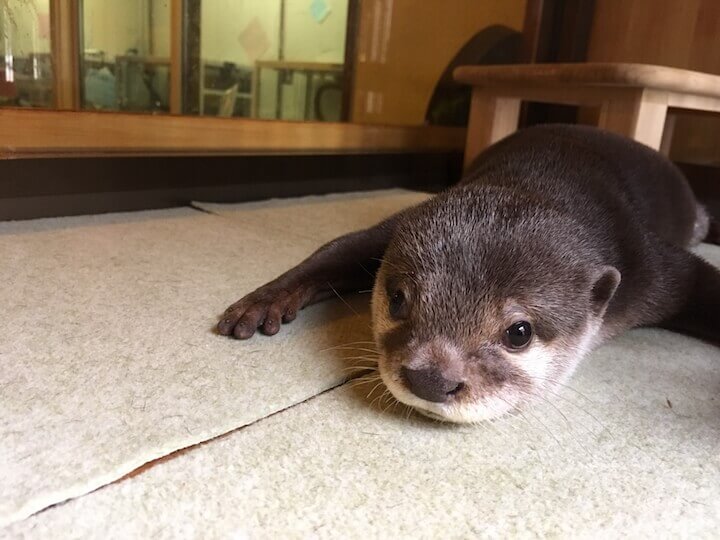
[[629, 449], [107, 351], [323, 219]]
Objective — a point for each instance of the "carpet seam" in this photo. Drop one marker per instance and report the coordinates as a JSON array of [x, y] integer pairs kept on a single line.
[[137, 471], [235, 220], [193, 206]]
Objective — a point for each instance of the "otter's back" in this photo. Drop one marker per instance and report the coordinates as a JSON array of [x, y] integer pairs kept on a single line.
[[594, 174]]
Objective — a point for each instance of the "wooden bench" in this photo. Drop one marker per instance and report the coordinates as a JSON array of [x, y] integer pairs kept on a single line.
[[634, 99]]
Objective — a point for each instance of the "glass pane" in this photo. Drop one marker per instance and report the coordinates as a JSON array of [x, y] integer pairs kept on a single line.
[[25, 61], [273, 59], [286, 59], [126, 55]]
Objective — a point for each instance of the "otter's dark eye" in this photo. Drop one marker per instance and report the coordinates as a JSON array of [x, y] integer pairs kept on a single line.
[[397, 305], [518, 335]]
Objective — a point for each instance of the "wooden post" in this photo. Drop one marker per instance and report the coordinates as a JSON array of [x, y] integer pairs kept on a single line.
[[491, 118], [667, 136], [65, 48], [176, 56], [636, 113]]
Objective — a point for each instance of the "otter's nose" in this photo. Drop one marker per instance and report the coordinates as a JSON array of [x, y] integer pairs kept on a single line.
[[430, 385]]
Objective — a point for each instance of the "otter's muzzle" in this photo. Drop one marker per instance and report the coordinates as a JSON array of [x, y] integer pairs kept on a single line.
[[430, 384]]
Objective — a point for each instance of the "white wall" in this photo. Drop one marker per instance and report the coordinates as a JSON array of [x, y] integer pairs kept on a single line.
[[223, 21], [309, 40], [114, 26], [19, 27], [160, 28]]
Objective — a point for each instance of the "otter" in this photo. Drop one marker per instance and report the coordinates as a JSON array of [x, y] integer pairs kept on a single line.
[[488, 295]]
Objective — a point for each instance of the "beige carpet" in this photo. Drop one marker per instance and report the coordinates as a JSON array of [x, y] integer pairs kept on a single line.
[[108, 362], [632, 453], [108, 358]]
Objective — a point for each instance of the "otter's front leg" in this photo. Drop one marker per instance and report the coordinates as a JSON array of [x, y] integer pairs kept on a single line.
[[346, 263]]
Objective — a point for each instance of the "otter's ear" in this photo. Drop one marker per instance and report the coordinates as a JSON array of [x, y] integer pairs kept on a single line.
[[606, 283]]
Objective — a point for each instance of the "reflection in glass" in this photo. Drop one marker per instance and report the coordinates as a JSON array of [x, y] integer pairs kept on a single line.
[[126, 55], [276, 59], [25, 60], [268, 59]]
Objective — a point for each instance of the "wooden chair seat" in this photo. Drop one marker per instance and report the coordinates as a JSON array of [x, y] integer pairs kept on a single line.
[[634, 99]]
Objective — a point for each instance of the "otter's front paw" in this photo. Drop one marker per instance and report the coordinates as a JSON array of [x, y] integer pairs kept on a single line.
[[265, 308]]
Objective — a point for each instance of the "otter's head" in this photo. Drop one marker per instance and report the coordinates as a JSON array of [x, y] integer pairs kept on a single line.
[[483, 304]]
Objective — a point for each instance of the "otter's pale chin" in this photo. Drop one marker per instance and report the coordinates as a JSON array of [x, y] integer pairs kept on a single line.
[[432, 415]]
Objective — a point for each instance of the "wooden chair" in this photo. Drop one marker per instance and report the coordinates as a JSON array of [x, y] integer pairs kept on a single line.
[[634, 99]]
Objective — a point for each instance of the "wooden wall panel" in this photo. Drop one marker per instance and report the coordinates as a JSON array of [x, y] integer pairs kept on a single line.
[[677, 33], [33, 133], [405, 45]]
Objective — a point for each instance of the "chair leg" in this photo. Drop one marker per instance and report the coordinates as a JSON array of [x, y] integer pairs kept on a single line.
[[491, 118], [638, 114], [667, 136]]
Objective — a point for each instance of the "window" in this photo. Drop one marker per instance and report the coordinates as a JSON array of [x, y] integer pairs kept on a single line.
[[126, 55], [26, 78], [381, 62]]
